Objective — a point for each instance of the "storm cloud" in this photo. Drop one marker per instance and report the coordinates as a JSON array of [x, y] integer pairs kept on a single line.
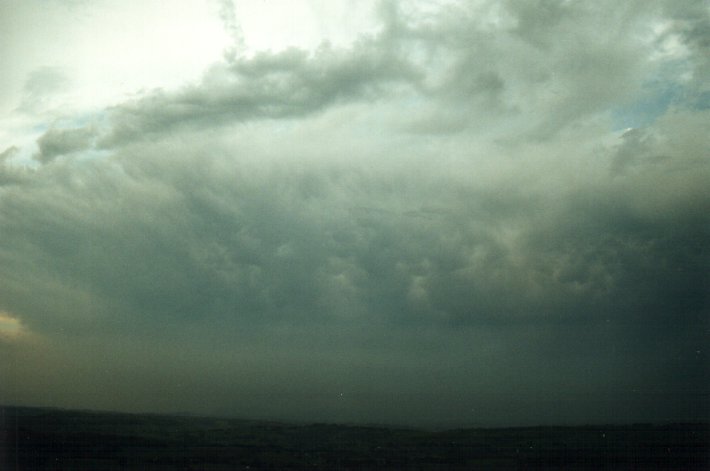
[[481, 213]]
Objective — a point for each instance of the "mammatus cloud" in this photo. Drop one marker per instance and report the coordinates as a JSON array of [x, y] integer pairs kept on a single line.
[[440, 222]]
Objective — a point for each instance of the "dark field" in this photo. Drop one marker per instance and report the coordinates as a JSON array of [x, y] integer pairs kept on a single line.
[[52, 439]]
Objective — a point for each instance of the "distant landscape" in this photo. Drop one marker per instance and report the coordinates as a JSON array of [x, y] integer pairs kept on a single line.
[[58, 439]]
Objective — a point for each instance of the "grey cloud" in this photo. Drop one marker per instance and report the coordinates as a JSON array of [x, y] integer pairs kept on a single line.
[[8, 153], [228, 15], [635, 143], [306, 254], [334, 260], [282, 244], [56, 142], [9, 173], [519, 71], [456, 72], [691, 20], [40, 87], [288, 84]]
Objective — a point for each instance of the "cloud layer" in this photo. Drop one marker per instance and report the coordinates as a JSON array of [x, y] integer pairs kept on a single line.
[[441, 223]]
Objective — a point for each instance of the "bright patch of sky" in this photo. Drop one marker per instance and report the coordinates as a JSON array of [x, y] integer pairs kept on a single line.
[[655, 99], [667, 85], [9, 325], [68, 58]]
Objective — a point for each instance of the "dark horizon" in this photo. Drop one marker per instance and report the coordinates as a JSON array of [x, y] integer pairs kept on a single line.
[[362, 422], [52, 439], [397, 426]]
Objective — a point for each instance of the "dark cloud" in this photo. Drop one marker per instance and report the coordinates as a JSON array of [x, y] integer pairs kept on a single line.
[[691, 21], [269, 238], [287, 84], [458, 73], [56, 142], [10, 174], [8, 153], [332, 261]]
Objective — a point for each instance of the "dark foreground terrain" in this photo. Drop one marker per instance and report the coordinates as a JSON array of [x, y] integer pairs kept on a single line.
[[52, 439]]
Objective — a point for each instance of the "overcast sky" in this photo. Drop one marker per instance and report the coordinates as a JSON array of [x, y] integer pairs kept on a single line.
[[417, 212]]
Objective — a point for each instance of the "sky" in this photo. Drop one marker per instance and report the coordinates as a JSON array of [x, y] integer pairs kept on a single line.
[[434, 212]]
